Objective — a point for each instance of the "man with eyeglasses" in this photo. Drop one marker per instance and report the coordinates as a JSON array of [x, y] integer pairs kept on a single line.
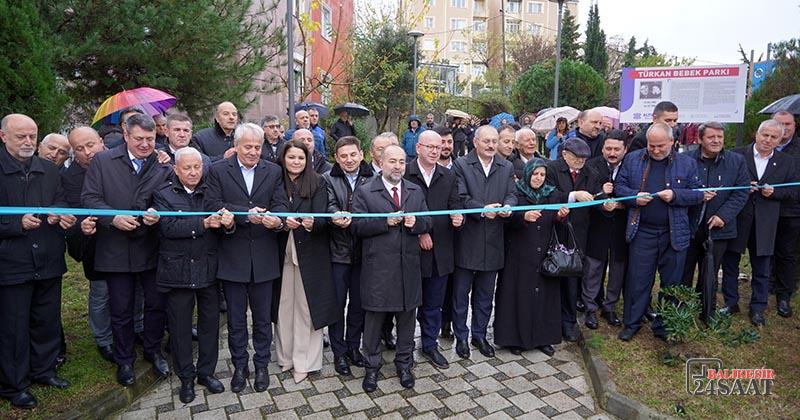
[[272, 138]]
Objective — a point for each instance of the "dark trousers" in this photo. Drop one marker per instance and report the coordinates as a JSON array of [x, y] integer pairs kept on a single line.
[[346, 334], [480, 284], [649, 250], [121, 296], [593, 283], [447, 306], [786, 257], [430, 314], [30, 338], [259, 296], [570, 287], [180, 309], [373, 328], [759, 283]]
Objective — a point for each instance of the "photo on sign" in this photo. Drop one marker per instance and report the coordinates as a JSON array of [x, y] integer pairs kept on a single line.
[[650, 90]]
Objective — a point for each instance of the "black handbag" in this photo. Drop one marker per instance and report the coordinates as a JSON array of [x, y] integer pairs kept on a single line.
[[563, 260]]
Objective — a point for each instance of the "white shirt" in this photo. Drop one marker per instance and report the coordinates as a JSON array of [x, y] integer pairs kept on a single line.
[[761, 163], [427, 177], [248, 175], [389, 187], [188, 191], [376, 168], [449, 164], [352, 178], [486, 168]]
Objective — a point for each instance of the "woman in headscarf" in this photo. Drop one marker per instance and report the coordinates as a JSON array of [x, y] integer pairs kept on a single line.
[[528, 304]]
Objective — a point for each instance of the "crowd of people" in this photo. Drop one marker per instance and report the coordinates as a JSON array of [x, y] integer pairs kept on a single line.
[[370, 280]]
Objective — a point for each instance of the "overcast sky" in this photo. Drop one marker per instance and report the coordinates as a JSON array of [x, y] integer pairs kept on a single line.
[[708, 30]]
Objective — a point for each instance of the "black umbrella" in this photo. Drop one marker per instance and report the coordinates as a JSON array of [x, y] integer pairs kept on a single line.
[[706, 281], [352, 108], [322, 109], [789, 103]]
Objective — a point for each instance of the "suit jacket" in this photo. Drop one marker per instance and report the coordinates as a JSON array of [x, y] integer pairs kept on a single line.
[[606, 229], [479, 242], [250, 251], [558, 175], [79, 246], [759, 212], [792, 209], [441, 195], [112, 183]]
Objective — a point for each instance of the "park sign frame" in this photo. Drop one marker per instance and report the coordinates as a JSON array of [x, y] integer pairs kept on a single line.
[[702, 93]]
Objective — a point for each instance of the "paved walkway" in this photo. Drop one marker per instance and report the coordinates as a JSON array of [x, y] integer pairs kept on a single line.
[[531, 386]]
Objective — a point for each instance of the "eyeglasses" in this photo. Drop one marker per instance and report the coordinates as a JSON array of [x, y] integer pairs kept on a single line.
[[431, 147]]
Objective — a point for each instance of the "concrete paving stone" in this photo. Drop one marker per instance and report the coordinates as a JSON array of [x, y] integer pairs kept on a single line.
[[561, 376], [579, 383], [565, 355], [459, 403], [542, 369], [199, 408], [155, 402], [290, 386], [425, 385], [323, 402], [572, 369], [550, 384], [492, 402], [425, 402], [422, 370], [519, 384], [600, 417], [440, 393], [328, 385], [253, 414], [535, 356], [570, 415], [533, 415], [179, 414], [211, 415], [455, 385], [478, 412], [583, 411], [355, 416], [221, 400], [586, 401], [163, 408], [461, 416], [387, 386], [354, 385], [527, 402], [561, 402], [549, 411], [324, 415], [443, 412], [289, 401], [514, 411], [512, 369], [482, 370], [499, 415], [255, 400], [303, 410], [357, 402], [142, 414], [390, 416], [487, 385], [283, 415], [506, 356], [572, 392], [391, 402], [455, 370]]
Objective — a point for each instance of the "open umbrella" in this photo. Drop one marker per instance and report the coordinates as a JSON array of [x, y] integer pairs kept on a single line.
[[608, 111], [497, 120], [789, 103], [151, 101], [456, 113], [352, 108], [322, 109], [547, 121]]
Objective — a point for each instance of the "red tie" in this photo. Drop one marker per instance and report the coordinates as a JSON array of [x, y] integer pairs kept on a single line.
[[574, 176], [395, 197]]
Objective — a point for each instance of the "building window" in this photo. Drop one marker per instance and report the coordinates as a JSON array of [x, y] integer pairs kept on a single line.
[[512, 26], [478, 70], [326, 27], [429, 22], [458, 24], [514, 6], [458, 46], [428, 44], [479, 25], [535, 7], [533, 28], [460, 4]]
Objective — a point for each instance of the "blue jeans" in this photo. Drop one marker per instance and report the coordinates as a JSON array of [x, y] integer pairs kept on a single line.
[[100, 313]]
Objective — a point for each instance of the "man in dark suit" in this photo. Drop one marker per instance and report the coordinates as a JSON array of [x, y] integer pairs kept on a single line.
[[124, 178], [526, 148], [574, 182], [391, 280], [216, 142], [788, 225], [441, 193], [757, 223], [31, 265], [318, 160], [273, 140], [248, 257], [484, 180], [590, 123]]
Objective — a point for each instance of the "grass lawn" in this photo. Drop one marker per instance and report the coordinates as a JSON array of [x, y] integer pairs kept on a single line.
[[639, 372], [85, 369]]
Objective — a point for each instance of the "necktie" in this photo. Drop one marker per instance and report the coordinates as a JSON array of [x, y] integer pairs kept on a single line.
[[574, 176], [137, 165], [395, 197]]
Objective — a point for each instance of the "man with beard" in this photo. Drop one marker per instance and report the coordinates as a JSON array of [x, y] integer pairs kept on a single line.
[[446, 157], [217, 142]]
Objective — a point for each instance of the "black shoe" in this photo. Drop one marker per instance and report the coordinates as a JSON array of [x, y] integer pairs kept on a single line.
[[462, 349], [239, 380], [483, 346], [757, 319], [261, 381], [591, 320], [160, 365], [661, 336], [447, 333], [355, 357], [729, 310], [341, 366], [212, 384], [570, 332], [580, 306], [125, 375], [370, 383], [53, 381], [784, 309], [650, 315], [612, 318], [24, 400], [60, 360], [106, 352], [627, 334], [436, 358], [548, 350], [186, 394], [388, 340], [515, 350], [406, 378], [194, 334]]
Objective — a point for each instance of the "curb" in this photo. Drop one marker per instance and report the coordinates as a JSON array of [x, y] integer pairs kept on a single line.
[[608, 397]]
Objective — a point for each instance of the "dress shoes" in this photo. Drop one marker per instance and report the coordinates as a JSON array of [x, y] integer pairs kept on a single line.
[[548, 350], [406, 378], [570, 332], [341, 366], [757, 319], [462, 349], [612, 318], [447, 332], [53, 381], [106, 352], [239, 380], [436, 358], [483, 346], [160, 365], [388, 340], [212, 384], [261, 381], [355, 357], [24, 400], [580, 306], [627, 334], [591, 320], [729, 310], [515, 350], [650, 315], [186, 394], [784, 309], [370, 382], [125, 375]]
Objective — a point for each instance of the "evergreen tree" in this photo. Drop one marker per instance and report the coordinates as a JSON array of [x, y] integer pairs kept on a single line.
[[629, 60], [594, 50], [569, 36]]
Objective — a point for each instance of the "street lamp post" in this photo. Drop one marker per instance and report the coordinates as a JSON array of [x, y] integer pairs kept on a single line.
[[558, 51], [415, 34]]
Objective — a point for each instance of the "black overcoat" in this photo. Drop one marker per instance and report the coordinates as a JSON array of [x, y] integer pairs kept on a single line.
[[558, 175], [606, 229], [79, 246]]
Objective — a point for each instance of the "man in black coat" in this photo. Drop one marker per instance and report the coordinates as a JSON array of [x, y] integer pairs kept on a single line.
[[217, 142], [318, 160], [574, 182], [124, 178], [484, 180], [390, 272], [757, 223], [525, 149], [664, 112], [342, 127], [248, 257], [590, 123], [273, 140], [437, 261], [31, 265], [788, 224], [348, 173]]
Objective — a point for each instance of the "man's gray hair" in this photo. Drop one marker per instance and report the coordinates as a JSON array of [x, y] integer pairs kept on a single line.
[[479, 132], [50, 136], [143, 121], [179, 117], [667, 130], [701, 131], [245, 128], [386, 135], [391, 146], [523, 131], [187, 151], [268, 119], [771, 124], [783, 114]]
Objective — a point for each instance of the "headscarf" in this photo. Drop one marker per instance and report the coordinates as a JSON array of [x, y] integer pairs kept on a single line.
[[524, 184]]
